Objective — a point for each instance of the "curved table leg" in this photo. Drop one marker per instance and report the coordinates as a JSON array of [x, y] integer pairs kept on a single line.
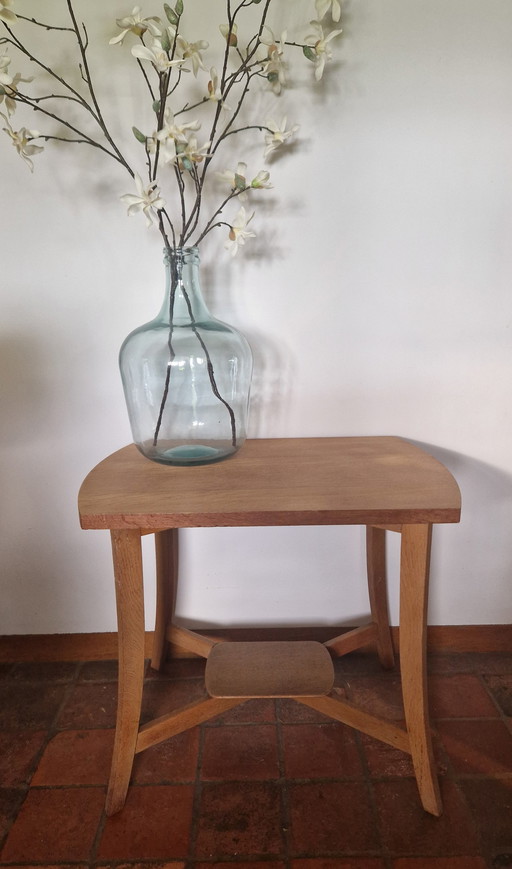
[[166, 548], [378, 592], [414, 572], [127, 556]]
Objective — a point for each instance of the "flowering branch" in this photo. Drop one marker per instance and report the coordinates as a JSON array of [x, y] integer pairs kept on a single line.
[[164, 54]]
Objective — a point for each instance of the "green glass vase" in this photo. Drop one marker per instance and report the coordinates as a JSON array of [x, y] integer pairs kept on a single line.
[[186, 376]]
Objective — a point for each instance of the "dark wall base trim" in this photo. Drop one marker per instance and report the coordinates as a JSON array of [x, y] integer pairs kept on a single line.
[[99, 647]]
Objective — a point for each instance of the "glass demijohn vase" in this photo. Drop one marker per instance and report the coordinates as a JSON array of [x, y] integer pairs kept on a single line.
[[186, 375]]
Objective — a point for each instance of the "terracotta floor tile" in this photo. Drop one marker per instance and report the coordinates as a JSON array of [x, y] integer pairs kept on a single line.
[[174, 760], [179, 668], [153, 825], [501, 861], [10, 801], [240, 752], [491, 804], [439, 863], [320, 751], [49, 866], [154, 864], [239, 819], [449, 663], [44, 671], [462, 696], [407, 829], [501, 689], [164, 695], [291, 712], [249, 712], [29, 705], [76, 757], [249, 864], [338, 863], [477, 746], [98, 671], [18, 752], [379, 695], [55, 825], [360, 664], [384, 761], [89, 705], [491, 662], [331, 817]]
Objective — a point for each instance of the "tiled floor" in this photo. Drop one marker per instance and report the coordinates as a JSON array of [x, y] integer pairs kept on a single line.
[[270, 784]]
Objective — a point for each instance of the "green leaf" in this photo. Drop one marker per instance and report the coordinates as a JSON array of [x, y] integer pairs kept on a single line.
[[179, 7], [309, 52], [139, 136], [157, 106], [240, 182], [165, 41], [2, 90], [171, 14]]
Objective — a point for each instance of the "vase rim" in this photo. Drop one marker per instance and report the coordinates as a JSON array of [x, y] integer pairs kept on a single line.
[[186, 250]]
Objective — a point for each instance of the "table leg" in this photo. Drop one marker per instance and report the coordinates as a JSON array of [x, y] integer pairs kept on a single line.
[[378, 592], [127, 556], [166, 548], [414, 573]]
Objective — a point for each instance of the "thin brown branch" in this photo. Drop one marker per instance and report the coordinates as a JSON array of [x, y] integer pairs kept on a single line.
[[42, 24], [21, 98], [82, 46]]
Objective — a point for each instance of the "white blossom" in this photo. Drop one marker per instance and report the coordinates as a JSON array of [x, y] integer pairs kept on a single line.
[[192, 51], [277, 135], [274, 63], [238, 231], [156, 55], [321, 47], [191, 153], [231, 34], [6, 13], [262, 180], [214, 91], [322, 6], [236, 180], [5, 78], [135, 24], [10, 92], [147, 199], [22, 141], [172, 130], [231, 177]]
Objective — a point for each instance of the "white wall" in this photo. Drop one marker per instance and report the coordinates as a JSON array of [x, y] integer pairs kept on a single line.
[[377, 298]]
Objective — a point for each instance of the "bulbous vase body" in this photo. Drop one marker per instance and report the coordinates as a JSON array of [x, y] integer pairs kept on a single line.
[[186, 376]]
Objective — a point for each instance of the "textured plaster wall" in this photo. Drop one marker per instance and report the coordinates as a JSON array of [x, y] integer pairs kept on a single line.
[[377, 298]]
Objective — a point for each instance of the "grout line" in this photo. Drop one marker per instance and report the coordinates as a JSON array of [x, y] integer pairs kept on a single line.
[[198, 792]]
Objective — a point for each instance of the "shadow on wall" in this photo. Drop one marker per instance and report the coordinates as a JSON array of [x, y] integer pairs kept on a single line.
[[272, 362], [481, 547]]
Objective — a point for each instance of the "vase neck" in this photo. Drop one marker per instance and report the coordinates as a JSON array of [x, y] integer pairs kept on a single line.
[[183, 296]]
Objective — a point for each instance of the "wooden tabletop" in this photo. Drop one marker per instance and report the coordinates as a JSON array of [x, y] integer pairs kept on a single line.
[[281, 481]]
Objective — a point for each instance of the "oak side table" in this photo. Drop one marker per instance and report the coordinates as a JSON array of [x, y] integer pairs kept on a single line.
[[384, 483]]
